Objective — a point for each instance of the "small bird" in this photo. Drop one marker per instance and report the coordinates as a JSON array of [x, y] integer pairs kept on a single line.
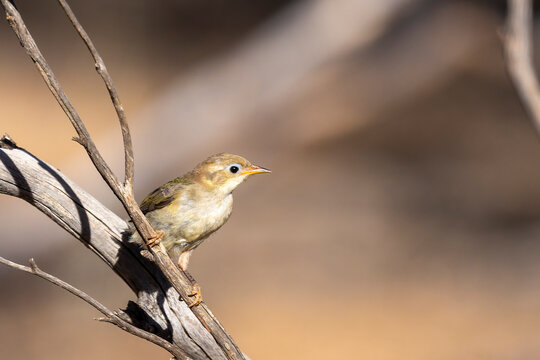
[[186, 210]]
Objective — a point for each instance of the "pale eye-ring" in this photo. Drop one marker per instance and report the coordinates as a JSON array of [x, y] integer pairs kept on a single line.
[[234, 168]]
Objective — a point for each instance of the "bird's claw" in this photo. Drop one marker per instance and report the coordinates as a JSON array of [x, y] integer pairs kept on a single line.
[[196, 294], [155, 239]]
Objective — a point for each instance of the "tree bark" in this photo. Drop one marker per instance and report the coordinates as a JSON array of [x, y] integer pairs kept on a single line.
[[174, 277], [158, 308]]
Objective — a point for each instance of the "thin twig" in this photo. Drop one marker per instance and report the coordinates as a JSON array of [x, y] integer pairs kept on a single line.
[[27, 41], [177, 277], [110, 316], [518, 49], [157, 308], [102, 71]]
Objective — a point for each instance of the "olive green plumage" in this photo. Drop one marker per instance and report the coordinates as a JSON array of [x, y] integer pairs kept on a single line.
[[165, 194], [191, 207]]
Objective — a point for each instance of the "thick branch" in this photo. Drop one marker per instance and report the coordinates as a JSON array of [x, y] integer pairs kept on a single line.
[[110, 316], [178, 279], [518, 48], [158, 308]]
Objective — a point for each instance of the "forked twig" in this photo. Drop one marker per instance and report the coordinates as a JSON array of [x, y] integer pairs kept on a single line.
[[178, 279], [27, 41], [102, 71], [110, 316]]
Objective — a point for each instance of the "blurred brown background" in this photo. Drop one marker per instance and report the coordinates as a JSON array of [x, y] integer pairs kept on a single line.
[[402, 217]]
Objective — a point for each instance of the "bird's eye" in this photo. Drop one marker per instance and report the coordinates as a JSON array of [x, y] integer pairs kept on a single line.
[[234, 168]]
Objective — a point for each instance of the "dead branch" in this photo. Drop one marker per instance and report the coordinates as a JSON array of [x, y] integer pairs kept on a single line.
[[113, 93], [158, 308], [518, 50], [124, 192], [110, 316]]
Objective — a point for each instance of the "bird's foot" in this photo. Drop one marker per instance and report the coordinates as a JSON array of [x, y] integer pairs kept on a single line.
[[196, 294], [156, 239]]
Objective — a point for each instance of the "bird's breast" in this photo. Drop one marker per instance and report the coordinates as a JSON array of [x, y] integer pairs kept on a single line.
[[199, 218]]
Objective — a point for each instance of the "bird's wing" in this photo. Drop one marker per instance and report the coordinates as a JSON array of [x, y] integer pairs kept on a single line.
[[164, 195]]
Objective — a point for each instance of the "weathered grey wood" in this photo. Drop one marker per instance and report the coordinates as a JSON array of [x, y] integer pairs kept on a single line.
[[117, 318], [158, 308], [176, 277]]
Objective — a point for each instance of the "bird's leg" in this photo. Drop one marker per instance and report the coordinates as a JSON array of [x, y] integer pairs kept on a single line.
[[183, 261], [155, 239]]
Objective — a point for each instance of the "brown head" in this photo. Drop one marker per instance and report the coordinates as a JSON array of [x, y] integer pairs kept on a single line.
[[224, 172]]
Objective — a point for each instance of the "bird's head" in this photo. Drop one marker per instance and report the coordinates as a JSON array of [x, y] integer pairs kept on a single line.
[[222, 172]]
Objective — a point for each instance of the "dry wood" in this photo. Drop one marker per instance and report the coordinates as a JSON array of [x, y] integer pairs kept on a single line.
[[110, 316], [113, 93], [158, 308], [178, 279]]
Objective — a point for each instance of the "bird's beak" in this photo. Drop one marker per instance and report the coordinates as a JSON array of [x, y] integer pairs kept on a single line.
[[254, 169]]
